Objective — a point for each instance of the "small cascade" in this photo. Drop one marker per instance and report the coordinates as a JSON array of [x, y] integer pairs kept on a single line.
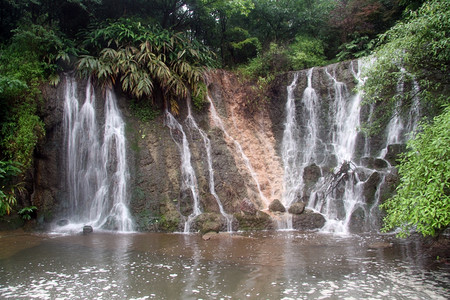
[[397, 130], [414, 111], [395, 127], [290, 154], [218, 122], [188, 177], [96, 165], [206, 141]]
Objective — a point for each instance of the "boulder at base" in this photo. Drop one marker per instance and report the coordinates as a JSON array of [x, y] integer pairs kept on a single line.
[[296, 208], [276, 205], [308, 220], [87, 229]]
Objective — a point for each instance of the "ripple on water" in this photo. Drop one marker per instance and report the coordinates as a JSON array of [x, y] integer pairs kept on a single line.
[[314, 267]]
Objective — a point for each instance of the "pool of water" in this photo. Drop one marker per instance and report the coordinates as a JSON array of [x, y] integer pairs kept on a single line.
[[263, 265]]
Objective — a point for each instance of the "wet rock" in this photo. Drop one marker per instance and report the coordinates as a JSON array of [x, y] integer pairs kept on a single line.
[[209, 235], [370, 187], [276, 205], [247, 207], [311, 174], [296, 208], [63, 222], [308, 220], [260, 221], [379, 163], [209, 222], [393, 153], [170, 217], [357, 221], [367, 162], [87, 229], [391, 181]]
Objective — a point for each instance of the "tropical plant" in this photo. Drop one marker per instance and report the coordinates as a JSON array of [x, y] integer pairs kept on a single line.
[[422, 201], [9, 170], [27, 212], [146, 60]]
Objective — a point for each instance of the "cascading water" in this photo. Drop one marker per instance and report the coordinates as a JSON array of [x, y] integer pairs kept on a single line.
[[97, 169], [339, 204], [347, 188], [206, 141], [188, 177], [296, 153]]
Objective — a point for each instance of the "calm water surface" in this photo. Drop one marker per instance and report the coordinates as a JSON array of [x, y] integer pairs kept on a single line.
[[275, 265]]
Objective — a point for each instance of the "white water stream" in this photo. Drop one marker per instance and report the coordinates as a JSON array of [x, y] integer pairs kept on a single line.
[[188, 177], [207, 143], [96, 165]]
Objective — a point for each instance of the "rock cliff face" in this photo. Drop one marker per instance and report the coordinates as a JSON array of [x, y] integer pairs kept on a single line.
[[247, 139]]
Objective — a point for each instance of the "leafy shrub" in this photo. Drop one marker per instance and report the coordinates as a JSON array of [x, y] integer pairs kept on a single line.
[[9, 170], [273, 61], [422, 201], [306, 52]]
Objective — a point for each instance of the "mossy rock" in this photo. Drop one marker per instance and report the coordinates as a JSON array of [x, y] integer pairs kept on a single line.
[[209, 222], [170, 217], [259, 221]]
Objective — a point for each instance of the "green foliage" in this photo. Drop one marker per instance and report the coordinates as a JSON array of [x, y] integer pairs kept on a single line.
[[9, 170], [242, 46], [21, 134], [146, 60], [24, 64], [273, 61], [199, 97], [143, 110], [422, 201], [26, 212], [306, 52], [415, 49], [360, 46]]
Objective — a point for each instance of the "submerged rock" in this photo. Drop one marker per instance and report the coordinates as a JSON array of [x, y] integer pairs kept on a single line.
[[208, 236], [381, 245], [276, 205]]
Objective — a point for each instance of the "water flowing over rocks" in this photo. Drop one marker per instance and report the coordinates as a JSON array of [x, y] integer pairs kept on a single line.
[[249, 160]]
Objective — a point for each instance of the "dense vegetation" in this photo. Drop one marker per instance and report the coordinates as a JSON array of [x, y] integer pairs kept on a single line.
[[417, 49], [158, 50]]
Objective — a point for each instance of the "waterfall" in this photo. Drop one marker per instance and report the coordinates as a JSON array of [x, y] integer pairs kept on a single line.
[[218, 122], [96, 166], [207, 143], [345, 117], [188, 177]]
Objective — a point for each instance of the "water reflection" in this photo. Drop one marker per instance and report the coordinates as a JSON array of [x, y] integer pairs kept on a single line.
[[280, 265]]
